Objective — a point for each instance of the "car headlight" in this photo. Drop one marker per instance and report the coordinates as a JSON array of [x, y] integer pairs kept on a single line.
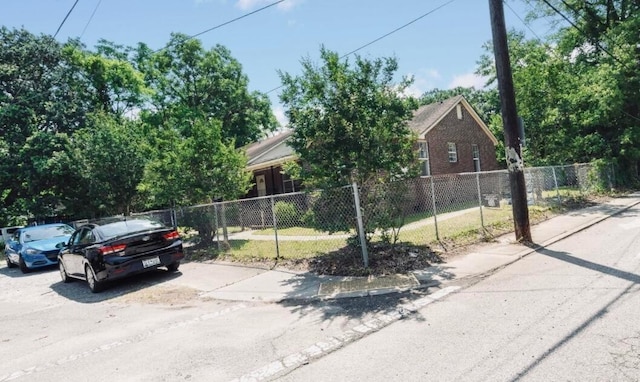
[[31, 251]]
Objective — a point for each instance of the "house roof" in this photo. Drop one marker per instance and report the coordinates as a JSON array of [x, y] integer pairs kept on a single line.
[[270, 151], [428, 116], [274, 150]]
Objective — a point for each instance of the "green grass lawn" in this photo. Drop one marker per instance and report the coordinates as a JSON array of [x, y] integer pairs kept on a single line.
[[457, 230]]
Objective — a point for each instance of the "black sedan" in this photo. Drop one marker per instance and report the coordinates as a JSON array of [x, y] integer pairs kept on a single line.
[[110, 250]]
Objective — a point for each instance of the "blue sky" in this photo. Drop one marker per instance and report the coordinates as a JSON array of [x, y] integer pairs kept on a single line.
[[440, 50]]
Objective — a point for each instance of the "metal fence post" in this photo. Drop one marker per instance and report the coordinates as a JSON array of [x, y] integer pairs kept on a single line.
[[433, 205], [363, 240], [555, 182], [275, 226], [480, 200], [215, 214], [174, 217]]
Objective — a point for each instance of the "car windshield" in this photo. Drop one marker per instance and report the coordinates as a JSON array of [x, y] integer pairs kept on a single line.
[[45, 232], [129, 226]]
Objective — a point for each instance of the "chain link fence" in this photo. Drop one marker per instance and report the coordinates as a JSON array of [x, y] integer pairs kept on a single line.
[[423, 211]]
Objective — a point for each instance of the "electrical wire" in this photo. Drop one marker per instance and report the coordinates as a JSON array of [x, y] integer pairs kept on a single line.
[[383, 36], [398, 29], [585, 35], [556, 10], [521, 20], [65, 18], [90, 18], [223, 24]]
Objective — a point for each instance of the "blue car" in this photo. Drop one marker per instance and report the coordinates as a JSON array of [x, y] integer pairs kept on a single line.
[[36, 246]]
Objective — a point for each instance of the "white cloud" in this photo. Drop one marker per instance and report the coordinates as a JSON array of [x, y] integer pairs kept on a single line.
[[468, 80], [246, 5], [278, 111], [422, 81]]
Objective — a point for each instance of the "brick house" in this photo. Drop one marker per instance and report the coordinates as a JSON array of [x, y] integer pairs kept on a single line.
[[451, 139]]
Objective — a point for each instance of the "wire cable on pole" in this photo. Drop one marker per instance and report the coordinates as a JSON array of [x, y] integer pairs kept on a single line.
[[225, 23], [90, 18], [65, 18], [384, 36]]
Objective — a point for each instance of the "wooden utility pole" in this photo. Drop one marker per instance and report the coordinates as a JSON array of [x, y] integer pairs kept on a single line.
[[512, 142]]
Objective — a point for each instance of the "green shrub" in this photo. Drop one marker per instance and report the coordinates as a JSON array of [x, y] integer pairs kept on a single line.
[[287, 215]]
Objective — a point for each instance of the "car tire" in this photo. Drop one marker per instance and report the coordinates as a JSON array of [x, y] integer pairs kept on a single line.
[[94, 285], [63, 273], [23, 265], [173, 267], [9, 263]]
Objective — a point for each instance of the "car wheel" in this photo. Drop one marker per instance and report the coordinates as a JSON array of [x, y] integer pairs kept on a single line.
[[63, 273], [173, 267], [94, 284], [10, 264], [23, 265]]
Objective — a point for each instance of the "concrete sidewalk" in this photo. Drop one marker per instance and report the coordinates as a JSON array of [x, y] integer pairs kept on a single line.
[[230, 281]]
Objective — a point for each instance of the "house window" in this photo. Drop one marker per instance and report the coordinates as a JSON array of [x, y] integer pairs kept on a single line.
[[476, 158], [459, 111], [423, 157], [288, 184], [453, 152]]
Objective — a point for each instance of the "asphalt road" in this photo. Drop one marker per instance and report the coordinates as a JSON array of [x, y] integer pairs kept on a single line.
[[157, 328], [570, 312], [567, 312]]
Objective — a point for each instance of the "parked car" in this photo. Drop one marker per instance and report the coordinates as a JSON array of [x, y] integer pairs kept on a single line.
[[35, 246], [110, 250]]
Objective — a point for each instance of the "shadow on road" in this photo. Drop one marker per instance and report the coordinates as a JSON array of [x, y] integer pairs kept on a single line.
[[78, 290], [563, 256]]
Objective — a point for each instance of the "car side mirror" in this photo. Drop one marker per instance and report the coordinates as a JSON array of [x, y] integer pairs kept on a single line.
[[61, 245]]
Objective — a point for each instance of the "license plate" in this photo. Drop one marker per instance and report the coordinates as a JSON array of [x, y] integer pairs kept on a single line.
[[151, 262]]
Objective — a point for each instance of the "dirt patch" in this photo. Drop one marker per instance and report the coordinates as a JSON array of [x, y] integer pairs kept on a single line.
[[160, 295]]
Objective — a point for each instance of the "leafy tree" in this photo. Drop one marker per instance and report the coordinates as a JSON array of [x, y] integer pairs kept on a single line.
[[40, 98], [577, 92], [350, 125], [192, 83], [115, 86], [104, 167]]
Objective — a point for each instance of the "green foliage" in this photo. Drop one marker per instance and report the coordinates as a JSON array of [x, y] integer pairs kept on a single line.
[[102, 131], [191, 83], [201, 219], [198, 168], [350, 125], [103, 167], [115, 87], [577, 91], [384, 207], [287, 214], [350, 121], [331, 210]]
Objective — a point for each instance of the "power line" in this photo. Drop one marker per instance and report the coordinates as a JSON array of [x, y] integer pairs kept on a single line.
[[65, 18], [384, 36], [521, 20], [585, 35], [90, 18], [397, 29], [597, 44], [223, 24]]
